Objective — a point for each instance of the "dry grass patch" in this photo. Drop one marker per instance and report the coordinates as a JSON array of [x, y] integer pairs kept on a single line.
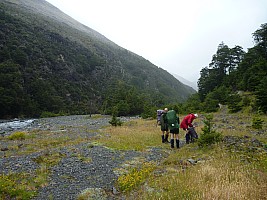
[[227, 178], [221, 176], [135, 135], [36, 141]]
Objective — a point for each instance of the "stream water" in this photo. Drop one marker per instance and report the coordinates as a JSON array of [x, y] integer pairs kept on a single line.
[[15, 124]]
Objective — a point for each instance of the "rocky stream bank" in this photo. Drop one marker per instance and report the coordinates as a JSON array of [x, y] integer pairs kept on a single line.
[[83, 167]]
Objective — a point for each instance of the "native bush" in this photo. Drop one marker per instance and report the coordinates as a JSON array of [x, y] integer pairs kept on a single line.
[[115, 121], [209, 136], [257, 123], [234, 103]]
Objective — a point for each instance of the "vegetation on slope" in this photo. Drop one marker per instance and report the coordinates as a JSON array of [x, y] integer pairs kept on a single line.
[[235, 78], [51, 63]]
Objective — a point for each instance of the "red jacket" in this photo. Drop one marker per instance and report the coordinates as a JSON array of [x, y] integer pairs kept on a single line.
[[187, 121]]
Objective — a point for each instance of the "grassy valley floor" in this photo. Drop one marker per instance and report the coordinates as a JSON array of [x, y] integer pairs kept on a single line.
[[236, 168], [86, 158]]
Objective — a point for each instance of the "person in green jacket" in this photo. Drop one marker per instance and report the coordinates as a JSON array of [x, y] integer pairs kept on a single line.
[[164, 126], [173, 124]]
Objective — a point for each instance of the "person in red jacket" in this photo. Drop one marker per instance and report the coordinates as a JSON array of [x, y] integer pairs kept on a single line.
[[186, 124]]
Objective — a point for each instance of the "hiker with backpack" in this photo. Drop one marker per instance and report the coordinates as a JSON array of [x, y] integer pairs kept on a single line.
[[164, 126], [173, 124], [188, 127]]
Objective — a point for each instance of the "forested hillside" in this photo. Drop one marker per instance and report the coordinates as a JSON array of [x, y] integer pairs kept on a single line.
[[235, 78], [51, 63]]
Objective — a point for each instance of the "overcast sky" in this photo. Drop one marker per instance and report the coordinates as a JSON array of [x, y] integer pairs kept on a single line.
[[180, 36]]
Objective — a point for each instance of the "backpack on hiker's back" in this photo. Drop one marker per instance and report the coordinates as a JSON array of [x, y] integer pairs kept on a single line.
[[159, 113], [173, 119]]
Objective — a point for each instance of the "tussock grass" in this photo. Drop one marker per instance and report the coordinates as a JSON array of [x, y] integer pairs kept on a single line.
[[23, 185], [49, 159], [36, 141], [19, 135], [93, 116], [227, 178], [135, 135], [219, 173], [13, 186]]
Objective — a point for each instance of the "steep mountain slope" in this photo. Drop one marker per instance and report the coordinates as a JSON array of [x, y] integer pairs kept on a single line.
[[185, 81], [50, 62]]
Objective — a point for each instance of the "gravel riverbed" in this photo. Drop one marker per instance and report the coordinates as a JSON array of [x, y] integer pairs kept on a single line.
[[72, 175]]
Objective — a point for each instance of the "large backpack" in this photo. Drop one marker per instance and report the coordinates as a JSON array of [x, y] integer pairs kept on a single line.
[[173, 120], [159, 113], [193, 133]]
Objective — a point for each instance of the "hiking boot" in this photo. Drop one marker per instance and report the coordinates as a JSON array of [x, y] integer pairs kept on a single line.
[[172, 143], [177, 144], [166, 139]]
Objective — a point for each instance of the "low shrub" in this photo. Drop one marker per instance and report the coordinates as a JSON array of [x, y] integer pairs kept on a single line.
[[14, 186], [17, 136], [115, 121], [135, 177], [209, 136], [257, 123], [46, 114]]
